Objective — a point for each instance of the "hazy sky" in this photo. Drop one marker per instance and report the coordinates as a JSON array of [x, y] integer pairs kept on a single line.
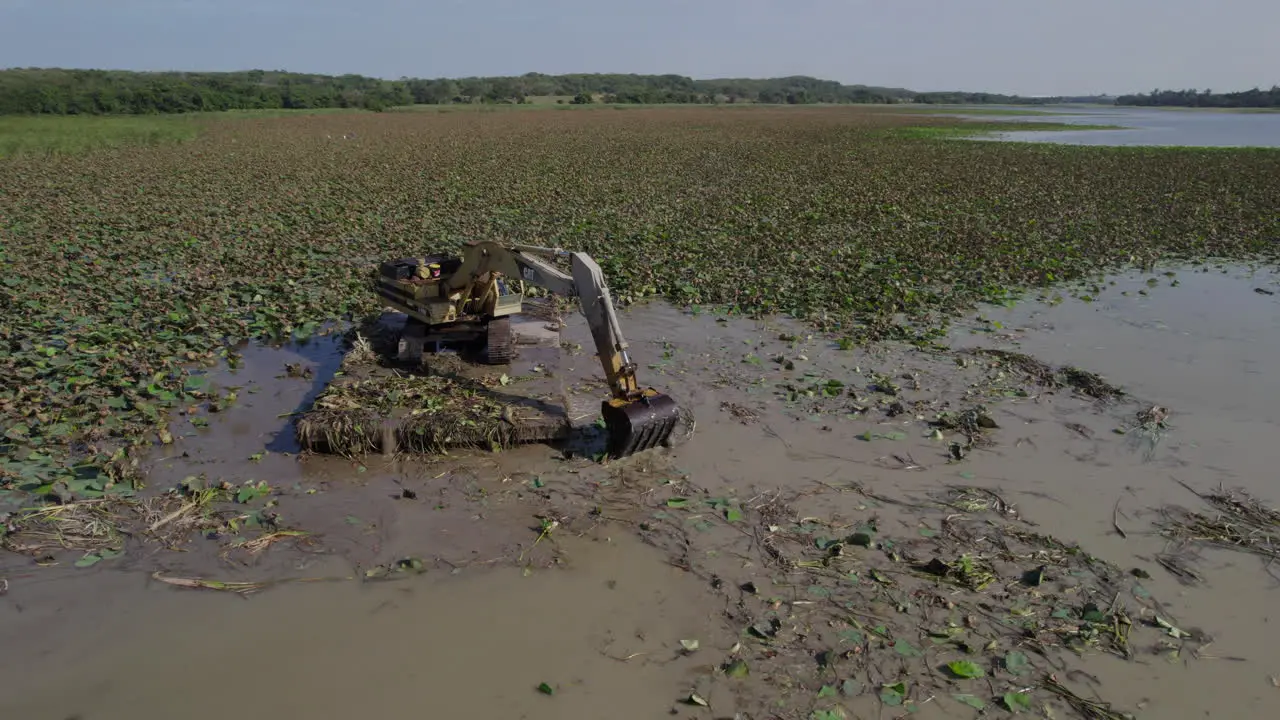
[[1022, 46]]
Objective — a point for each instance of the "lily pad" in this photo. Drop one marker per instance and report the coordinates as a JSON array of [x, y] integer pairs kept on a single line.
[[893, 694], [906, 649], [965, 669], [1017, 663], [1017, 701]]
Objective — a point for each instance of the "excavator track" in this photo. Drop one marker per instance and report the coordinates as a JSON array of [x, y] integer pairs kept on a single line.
[[500, 341]]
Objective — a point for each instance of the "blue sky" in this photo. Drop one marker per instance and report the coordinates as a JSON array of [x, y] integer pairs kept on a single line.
[[1023, 46]]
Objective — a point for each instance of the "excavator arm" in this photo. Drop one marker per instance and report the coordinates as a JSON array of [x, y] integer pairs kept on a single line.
[[636, 418]]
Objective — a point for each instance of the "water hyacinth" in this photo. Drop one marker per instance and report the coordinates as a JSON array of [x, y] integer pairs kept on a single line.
[[124, 271]]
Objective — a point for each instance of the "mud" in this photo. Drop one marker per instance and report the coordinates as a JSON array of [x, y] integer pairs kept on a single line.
[[465, 645], [792, 432]]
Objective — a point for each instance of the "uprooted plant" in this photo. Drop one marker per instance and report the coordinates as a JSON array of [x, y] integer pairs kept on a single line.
[[1234, 521]]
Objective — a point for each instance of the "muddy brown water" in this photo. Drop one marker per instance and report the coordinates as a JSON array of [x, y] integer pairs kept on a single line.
[[600, 615], [471, 645]]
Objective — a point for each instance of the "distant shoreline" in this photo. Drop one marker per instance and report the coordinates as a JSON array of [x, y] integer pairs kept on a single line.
[[59, 91]]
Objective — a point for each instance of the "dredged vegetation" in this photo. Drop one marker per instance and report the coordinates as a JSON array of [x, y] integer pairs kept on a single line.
[[122, 272]]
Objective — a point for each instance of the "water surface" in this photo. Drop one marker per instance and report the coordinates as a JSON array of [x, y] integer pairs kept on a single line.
[[1149, 126], [601, 614]]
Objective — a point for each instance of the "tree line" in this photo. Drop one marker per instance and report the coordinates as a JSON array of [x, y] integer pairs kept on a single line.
[[35, 91], [109, 92], [1255, 98]]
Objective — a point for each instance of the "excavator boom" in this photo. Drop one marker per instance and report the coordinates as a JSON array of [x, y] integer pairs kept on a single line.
[[635, 418]]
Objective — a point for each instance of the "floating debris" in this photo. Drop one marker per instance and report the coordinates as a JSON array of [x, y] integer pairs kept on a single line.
[[1041, 373], [1237, 522], [973, 592], [242, 588]]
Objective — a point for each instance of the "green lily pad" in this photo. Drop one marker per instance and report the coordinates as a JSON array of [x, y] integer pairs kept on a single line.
[[1017, 701], [893, 694], [966, 669]]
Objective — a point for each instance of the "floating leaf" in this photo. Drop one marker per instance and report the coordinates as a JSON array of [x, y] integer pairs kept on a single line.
[[546, 689], [1170, 629], [851, 636], [893, 694], [1017, 701], [906, 649], [737, 669], [860, 539], [1092, 614], [972, 701], [689, 645], [1017, 663], [89, 560], [677, 502], [965, 669]]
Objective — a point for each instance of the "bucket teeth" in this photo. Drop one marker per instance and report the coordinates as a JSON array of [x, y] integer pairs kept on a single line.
[[639, 425]]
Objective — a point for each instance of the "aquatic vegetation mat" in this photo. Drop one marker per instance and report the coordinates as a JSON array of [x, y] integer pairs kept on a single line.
[[371, 408], [125, 273]]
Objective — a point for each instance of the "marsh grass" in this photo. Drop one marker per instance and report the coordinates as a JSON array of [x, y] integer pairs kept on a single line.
[[73, 134], [62, 135]]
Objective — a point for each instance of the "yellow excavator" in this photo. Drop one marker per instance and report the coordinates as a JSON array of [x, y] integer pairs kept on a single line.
[[471, 299]]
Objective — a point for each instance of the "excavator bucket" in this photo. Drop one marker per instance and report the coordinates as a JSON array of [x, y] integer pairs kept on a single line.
[[638, 425]]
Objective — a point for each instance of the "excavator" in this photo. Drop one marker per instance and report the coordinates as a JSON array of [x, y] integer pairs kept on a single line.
[[471, 299]]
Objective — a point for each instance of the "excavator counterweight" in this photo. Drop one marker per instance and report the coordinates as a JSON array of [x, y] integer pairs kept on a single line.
[[481, 290]]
